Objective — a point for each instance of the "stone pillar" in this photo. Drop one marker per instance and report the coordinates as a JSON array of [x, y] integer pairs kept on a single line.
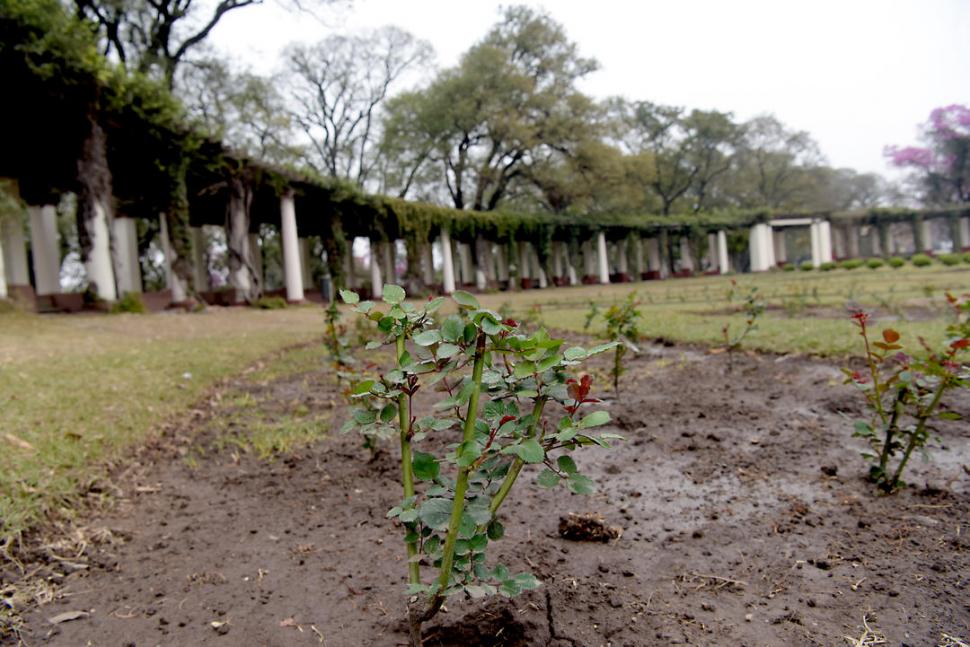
[[175, 286], [686, 258], [502, 261], [603, 264], [963, 233], [852, 241], [99, 266], [781, 248], [816, 241], [558, 248], [653, 255], [761, 248], [825, 240], [127, 267], [723, 260], [622, 263], [200, 269], [467, 266], [376, 283], [46, 252], [571, 276], [838, 242], [926, 235], [589, 266], [483, 259], [524, 273], [292, 246], [537, 269], [15, 251], [448, 267], [350, 266]]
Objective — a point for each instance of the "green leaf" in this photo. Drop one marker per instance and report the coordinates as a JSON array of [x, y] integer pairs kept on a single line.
[[581, 484], [496, 530], [594, 419], [489, 327], [575, 353], [567, 464], [435, 513], [388, 412], [478, 542], [478, 511], [465, 299], [434, 304], [350, 297], [409, 516], [528, 450], [372, 345], [447, 350], [602, 347], [365, 416], [427, 338], [548, 363], [548, 478], [468, 453], [363, 387], [524, 369], [425, 466], [393, 294]]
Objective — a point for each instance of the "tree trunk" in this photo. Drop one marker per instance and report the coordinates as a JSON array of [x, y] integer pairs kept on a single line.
[[242, 274], [95, 211]]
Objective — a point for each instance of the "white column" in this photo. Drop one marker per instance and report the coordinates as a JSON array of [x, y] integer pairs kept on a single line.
[[603, 265], [238, 240], [589, 266], [484, 266], [838, 242], [290, 242], [622, 264], [376, 283], [852, 244], [98, 266], [640, 257], [825, 240], [760, 245], [465, 257], [653, 255], [686, 258], [46, 253], [14, 250], [200, 270], [712, 252], [816, 241], [723, 260], [502, 262], [558, 249], [539, 270], [927, 235], [448, 267], [387, 261], [126, 255], [171, 278], [963, 230]]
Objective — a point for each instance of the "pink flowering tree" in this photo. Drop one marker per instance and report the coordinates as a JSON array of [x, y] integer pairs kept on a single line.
[[942, 166]]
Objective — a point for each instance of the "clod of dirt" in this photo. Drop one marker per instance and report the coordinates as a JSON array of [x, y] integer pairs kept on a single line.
[[495, 624], [830, 470], [589, 526]]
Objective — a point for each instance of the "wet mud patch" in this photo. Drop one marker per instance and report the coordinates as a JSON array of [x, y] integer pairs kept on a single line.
[[740, 494]]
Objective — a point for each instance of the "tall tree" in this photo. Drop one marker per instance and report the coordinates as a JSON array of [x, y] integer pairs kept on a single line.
[[339, 86], [941, 167], [772, 160], [511, 101]]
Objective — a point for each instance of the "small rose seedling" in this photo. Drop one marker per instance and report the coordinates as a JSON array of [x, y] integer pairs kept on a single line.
[[622, 328], [497, 384], [904, 394], [753, 308]]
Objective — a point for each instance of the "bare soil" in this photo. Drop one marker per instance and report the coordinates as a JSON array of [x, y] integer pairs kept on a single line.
[[745, 521]]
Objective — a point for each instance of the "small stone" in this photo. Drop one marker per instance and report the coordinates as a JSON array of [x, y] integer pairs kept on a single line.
[[748, 617]]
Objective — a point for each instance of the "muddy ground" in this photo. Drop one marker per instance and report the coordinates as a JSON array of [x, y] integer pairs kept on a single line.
[[745, 522]]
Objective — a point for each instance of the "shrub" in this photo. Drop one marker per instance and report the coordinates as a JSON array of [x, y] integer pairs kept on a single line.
[[950, 259], [896, 262], [921, 260], [852, 263], [271, 303], [828, 266], [788, 267], [875, 263], [449, 520], [622, 328], [807, 266], [130, 302], [966, 257], [903, 393]]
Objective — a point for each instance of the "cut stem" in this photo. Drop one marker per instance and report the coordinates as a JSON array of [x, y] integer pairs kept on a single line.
[[917, 434], [407, 473]]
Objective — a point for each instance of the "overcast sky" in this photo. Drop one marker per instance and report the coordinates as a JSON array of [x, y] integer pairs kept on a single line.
[[856, 74]]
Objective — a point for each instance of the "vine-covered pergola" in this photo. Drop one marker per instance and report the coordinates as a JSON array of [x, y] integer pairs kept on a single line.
[[75, 124]]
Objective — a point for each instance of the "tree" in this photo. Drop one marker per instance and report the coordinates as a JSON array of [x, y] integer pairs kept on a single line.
[[339, 85], [243, 110], [510, 102], [941, 167], [154, 37]]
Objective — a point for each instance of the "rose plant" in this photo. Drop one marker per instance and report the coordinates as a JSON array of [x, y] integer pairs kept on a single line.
[[497, 385]]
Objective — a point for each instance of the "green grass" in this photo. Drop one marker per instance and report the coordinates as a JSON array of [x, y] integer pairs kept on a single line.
[[76, 391], [808, 312]]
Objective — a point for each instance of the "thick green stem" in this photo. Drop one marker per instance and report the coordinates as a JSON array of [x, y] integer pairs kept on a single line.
[[890, 432], [407, 473], [917, 435], [461, 484], [516, 467]]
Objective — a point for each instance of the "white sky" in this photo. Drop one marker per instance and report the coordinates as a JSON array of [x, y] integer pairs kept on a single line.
[[856, 74]]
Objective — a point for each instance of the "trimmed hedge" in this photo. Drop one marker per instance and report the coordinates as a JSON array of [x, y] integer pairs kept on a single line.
[[874, 263], [896, 262], [921, 260]]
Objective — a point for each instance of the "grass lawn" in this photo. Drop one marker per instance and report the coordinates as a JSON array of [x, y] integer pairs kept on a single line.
[[76, 391]]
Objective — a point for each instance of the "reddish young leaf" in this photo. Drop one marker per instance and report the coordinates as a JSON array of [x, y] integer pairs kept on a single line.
[[890, 335]]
